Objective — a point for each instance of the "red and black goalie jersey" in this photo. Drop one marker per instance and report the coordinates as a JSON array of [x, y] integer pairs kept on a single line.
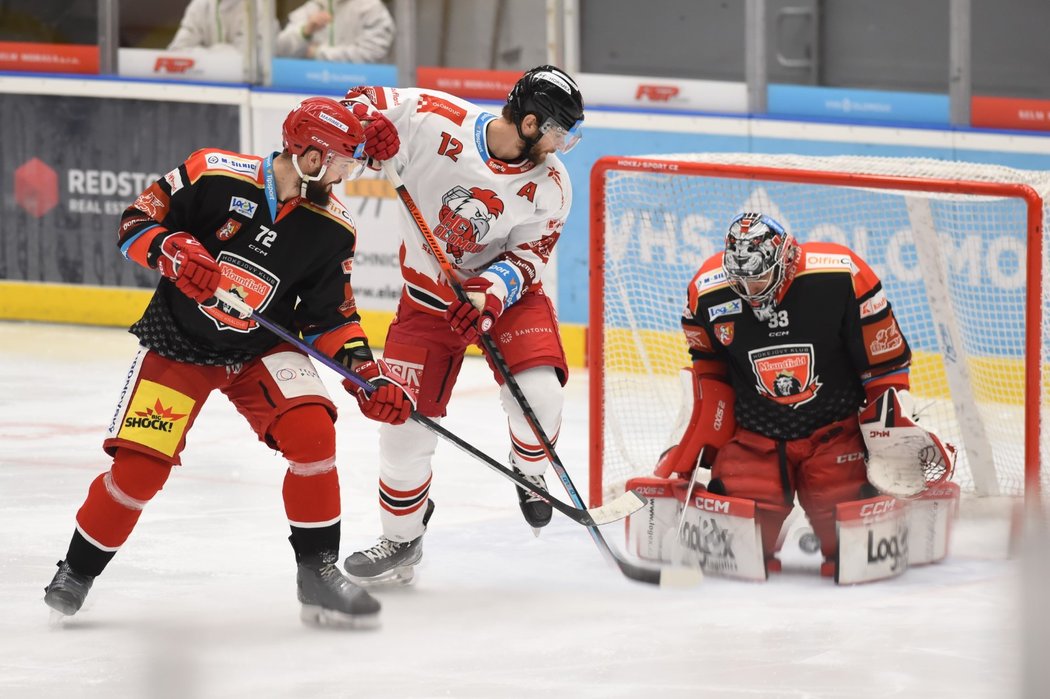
[[831, 334], [270, 254]]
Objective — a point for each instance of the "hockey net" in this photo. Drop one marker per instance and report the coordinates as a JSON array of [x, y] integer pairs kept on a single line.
[[958, 248]]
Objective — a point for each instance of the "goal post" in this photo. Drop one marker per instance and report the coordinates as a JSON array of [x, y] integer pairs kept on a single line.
[[958, 247]]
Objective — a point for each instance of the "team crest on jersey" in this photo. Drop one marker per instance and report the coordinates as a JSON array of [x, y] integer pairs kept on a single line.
[[724, 332], [228, 229], [784, 373], [254, 284], [466, 216]]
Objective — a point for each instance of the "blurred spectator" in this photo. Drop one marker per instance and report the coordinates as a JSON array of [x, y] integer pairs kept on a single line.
[[215, 23], [355, 31]]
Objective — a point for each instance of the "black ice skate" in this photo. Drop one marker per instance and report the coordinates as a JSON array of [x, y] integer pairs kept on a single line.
[[67, 590], [389, 562], [537, 511], [329, 598]]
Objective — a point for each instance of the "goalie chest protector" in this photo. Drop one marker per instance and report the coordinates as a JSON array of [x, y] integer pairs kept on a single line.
[[801, 368]]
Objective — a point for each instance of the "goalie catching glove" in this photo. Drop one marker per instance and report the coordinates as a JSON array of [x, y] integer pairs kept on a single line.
[[181, 258], [904, 459], [391, 401], [478, 313]]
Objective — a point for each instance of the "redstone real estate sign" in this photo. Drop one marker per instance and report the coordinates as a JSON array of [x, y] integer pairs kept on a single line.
[[69, 166]]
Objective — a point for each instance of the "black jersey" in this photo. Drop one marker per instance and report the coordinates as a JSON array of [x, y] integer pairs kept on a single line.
[[832, 331], [271, 255]]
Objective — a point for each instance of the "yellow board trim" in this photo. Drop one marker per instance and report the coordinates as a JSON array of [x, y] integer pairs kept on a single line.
[[120, 307]]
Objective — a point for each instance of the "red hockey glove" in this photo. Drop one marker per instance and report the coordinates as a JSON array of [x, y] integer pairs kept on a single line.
[[381, 139], [185, 261], [477, 315], [391, 402]]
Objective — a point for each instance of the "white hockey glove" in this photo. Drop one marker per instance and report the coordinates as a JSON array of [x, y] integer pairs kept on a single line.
[[904, 459]]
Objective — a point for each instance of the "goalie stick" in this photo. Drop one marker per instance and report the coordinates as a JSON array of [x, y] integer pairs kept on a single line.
[[676, 577], [617, 509]]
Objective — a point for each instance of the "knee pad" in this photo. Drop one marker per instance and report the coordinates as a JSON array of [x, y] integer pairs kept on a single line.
[[136, 476], [305, 434]]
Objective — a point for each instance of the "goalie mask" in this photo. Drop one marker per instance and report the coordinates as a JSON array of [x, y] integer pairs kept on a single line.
[[758, 256]]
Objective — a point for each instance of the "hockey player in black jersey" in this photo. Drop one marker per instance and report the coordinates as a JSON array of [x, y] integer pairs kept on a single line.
[[802, 341], [269, 230]]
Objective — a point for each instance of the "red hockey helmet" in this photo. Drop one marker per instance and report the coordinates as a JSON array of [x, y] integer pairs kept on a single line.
[[324, 124]]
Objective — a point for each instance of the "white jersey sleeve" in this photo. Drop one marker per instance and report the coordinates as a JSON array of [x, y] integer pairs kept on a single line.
[[494, 219]]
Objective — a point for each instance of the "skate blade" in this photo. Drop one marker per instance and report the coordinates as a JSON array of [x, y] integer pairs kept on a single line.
[[312, 615], [57, 619], [393, 578]]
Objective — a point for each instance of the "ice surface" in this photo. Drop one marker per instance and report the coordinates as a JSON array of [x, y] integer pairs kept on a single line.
[[201, 600]]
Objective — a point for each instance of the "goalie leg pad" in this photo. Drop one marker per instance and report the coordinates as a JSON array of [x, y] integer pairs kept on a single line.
[[651, 530], [873, 540], [722, 534], [930, 518]]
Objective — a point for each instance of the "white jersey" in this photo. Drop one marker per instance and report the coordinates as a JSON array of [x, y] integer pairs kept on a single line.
[[493, 218]]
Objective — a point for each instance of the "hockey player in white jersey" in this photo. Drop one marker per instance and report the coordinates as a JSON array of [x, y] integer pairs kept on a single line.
[[496, 196]]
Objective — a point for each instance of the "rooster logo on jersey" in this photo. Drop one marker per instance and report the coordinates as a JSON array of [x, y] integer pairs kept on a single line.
[[466, 215]]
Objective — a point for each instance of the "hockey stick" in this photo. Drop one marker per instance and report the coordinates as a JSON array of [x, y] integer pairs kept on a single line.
[[679, 545], [675, 577], [613, 511]]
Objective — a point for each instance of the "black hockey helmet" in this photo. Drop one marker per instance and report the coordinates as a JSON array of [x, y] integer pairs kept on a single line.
[[554, 97]]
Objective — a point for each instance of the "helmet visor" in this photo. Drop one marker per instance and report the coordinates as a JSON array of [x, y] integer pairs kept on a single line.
[[564, 139], [340, 165]]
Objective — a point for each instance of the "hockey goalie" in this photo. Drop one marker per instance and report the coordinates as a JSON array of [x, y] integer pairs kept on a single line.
[[798, 389]]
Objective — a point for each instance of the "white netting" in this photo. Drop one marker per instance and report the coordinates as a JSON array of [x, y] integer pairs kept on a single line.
[[660, 226]]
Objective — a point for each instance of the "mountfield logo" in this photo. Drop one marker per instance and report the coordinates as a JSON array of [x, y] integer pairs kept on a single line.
[[156, 418], [36, 187]]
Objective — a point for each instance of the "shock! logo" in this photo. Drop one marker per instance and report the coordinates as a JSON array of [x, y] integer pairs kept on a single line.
[[156, 417]]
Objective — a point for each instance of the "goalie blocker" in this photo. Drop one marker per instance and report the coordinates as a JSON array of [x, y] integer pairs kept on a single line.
[[879, 537]]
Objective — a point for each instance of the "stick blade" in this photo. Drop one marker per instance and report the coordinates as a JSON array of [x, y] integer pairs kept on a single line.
[[680, 577], [623, 506]]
